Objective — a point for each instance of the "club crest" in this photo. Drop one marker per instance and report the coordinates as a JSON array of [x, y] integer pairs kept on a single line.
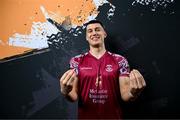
[[109, 68]]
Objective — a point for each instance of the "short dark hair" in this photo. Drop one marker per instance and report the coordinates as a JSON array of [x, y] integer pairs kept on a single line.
[[94, 21]]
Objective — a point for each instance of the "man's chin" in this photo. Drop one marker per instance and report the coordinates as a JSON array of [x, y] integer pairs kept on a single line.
[[96, 45]]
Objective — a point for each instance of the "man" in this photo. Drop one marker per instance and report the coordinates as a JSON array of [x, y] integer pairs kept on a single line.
[[99, 80]]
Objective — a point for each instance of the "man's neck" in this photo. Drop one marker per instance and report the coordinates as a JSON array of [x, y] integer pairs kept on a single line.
[[97, 52]]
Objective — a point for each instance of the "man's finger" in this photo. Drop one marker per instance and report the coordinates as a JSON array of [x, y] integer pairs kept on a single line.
[[140, 78], [64, 75], [71, 80], [132, 81], [68, 77]]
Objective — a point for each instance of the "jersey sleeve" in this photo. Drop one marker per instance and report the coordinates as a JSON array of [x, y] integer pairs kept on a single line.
[[124, 68]]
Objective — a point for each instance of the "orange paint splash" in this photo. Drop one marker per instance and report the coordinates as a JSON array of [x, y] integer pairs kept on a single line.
[[17, 16], [11, 50]]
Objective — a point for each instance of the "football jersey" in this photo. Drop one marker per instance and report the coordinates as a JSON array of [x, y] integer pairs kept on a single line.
[[98, 85]]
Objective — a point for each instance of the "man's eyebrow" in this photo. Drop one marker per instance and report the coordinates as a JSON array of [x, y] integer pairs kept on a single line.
[[97, 27], [93, 28], [89, 29]]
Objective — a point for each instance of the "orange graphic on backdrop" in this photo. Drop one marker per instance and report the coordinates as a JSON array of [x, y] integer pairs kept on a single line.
[[17, 16]]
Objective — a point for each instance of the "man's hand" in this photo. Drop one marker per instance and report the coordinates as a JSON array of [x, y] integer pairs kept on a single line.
[[137, 83], [66, 81]]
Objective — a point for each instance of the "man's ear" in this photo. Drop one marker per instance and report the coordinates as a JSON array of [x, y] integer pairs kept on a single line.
[[86, 38], [105, 34]]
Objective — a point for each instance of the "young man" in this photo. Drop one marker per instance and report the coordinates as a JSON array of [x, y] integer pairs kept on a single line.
[[99, 80]]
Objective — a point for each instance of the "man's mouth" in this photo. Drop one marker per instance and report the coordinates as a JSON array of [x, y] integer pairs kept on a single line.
[[95, 38]]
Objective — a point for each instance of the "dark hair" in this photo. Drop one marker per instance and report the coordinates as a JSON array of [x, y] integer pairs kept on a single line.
[[94, 21]]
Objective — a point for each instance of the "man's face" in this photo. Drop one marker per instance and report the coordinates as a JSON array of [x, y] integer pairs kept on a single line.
[[95, 34]]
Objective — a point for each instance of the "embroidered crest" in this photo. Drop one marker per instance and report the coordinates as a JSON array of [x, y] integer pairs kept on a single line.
[[109, 68]]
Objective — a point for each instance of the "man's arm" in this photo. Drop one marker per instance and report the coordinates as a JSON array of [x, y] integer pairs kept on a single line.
[[132, 86], [69, 85]]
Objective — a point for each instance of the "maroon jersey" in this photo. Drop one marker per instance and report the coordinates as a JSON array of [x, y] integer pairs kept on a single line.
[[98, 86]]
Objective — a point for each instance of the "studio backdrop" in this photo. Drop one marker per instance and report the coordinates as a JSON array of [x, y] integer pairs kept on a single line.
[[38, 38]]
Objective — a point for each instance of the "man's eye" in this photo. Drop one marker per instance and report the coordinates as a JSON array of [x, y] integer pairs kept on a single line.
[[89, 31], [97, 29]]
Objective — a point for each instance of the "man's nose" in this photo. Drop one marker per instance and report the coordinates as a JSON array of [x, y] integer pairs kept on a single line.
[[94, 32]]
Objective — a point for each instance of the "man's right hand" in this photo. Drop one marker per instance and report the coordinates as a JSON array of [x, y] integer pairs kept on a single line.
[[66, 81]]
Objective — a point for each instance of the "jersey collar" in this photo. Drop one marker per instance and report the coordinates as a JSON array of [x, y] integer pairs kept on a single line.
[[98, 58]]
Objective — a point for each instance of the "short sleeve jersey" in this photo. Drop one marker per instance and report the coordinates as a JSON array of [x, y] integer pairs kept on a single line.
[[98, 85]]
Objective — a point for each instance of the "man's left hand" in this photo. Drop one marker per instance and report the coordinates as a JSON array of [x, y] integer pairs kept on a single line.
[[137, 83]]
